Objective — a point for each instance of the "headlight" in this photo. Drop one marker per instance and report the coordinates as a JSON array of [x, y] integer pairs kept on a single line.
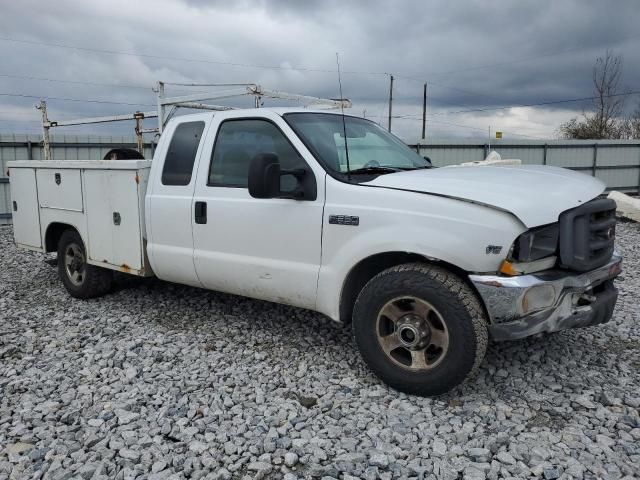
[[536, 243], [533, 251]]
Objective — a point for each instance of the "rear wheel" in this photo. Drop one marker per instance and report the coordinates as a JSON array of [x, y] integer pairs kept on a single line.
[[79, 278], [420, 328]]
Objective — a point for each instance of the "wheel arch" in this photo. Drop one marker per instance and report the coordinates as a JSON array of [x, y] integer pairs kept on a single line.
[[369, 267], [53, 233]]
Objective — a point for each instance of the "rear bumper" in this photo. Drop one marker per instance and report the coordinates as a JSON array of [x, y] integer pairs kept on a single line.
[[548, 301]]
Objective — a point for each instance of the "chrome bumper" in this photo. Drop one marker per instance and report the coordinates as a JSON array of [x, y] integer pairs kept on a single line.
[[548, 301]]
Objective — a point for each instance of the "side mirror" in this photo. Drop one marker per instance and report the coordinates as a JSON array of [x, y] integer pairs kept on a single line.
[[428, 161], [264, 176], [265, 179]]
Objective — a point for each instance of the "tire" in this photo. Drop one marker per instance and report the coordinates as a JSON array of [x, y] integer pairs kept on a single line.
[[420, 328], [79, 278]]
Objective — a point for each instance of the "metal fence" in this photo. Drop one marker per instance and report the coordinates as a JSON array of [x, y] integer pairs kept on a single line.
[[616, 162]]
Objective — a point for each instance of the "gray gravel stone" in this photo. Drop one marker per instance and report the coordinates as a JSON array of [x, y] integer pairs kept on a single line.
[[551, 473], [480, 454], [506, 458], [290, 459], [160, 381]]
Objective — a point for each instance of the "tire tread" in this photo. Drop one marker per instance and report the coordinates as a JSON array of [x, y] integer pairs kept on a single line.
[[467, 305]]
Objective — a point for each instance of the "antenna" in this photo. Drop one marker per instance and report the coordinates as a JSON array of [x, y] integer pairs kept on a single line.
[[344, 125]]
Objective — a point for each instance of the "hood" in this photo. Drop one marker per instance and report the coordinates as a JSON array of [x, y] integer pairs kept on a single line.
[[536, 194]]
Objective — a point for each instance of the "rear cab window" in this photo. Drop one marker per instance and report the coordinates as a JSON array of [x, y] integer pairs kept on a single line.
[[181, 154]]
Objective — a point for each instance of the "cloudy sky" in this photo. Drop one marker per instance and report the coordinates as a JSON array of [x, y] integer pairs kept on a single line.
[[483, 60]]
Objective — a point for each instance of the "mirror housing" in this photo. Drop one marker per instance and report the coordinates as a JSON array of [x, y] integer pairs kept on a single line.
[[428, 161], [264, 176], [264, 179]]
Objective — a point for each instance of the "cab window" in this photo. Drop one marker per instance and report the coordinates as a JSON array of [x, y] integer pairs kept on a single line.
[[239, 141], [181, 155]]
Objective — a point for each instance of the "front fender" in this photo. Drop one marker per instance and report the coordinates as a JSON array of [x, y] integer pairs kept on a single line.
[[436, 228]]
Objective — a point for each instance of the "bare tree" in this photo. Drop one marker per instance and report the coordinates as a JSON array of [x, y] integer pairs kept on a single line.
[[604, 120], [631, 126]]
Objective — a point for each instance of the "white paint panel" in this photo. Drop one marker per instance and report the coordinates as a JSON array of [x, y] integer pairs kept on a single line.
[[26, 217], [398, 221], [65, 195], [536, 194], [110, 192], [261, 248], [169, 214]]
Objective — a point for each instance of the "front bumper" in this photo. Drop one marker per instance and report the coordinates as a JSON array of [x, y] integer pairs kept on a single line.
[[548, 301]]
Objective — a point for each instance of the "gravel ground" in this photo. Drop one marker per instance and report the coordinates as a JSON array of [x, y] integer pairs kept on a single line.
[[163, 381]]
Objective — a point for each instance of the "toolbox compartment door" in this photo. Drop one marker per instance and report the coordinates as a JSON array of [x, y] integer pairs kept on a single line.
[[113, 218], [60, 188], [24, 206]]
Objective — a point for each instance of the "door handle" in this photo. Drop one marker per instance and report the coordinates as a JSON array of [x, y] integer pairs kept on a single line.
[[200, 212]]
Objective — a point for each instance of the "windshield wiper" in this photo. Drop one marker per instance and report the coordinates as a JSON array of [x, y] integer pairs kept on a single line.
[[373, 170], [422, 167]]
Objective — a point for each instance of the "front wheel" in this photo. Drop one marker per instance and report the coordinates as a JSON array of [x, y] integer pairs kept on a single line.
[[420, 328], [79, 278]]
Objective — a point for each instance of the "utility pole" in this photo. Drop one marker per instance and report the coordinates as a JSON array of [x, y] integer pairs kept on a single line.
[[390, 99], [424, 111], [45, 129]]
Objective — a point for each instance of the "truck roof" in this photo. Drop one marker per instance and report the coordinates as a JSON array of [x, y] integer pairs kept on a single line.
[[277, 110]]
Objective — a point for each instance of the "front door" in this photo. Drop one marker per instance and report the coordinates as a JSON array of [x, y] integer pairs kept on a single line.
[[261, 248]]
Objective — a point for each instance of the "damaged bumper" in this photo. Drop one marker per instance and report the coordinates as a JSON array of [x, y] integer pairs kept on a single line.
[[548, 301]]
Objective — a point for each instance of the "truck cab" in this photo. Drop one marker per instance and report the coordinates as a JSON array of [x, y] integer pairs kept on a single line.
[[332, 213]]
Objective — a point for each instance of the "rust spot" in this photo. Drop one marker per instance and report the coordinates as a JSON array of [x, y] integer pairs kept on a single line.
[[493, 283], [137, 179], [125, 268]]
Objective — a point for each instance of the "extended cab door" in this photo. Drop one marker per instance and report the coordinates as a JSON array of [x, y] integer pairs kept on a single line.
[[261, 248], [169, 200]]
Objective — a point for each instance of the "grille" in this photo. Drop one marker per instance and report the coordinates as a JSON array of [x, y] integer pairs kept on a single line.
[[587, 235]]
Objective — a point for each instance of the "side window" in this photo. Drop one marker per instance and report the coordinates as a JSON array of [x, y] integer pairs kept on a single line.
[[178, 164], [239, 141]]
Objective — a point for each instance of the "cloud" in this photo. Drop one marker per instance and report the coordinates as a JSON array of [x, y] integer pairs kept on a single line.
[[474, 54]]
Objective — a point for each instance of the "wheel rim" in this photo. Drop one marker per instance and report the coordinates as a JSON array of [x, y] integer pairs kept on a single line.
[[74, 264], [412, 333]]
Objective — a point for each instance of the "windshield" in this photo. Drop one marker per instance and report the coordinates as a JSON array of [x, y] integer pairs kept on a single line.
[[370, 146]]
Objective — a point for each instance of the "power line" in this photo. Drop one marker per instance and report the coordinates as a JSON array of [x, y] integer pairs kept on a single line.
[[75, 82], [183, 59], [539, 104], [278, 67], [8, 112], [508, 62], [84, 100], [527, 59], [470, 127]]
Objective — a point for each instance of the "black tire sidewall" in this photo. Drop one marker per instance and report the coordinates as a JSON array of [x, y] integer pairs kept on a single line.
[[96, 282], [461, 354], [67, 238]]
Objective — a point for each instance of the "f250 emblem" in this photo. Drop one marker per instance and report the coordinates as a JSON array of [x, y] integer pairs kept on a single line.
[[344, 220], [494, 249]]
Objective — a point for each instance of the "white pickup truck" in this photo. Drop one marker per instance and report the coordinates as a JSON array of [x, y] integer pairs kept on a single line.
[[297, 207]]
